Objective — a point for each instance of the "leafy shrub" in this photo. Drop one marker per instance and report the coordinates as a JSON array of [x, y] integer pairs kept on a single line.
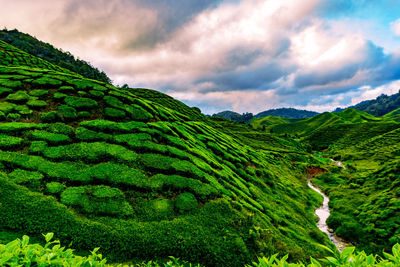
[[112, 113], [157, 209], [88, 135], [28, 178], [4, 91], [97, 200], [137, 113], [84, 114], [18, 97], [59, 96], [45, 81], [66, 113], [113, 127], [10, 83], [80, 102], [90, 152], [81, 84], [60, 128], [96, 94], [160, 162], [7, 141], [178, 183], [55, 187], [13, 116], [49, 116], [39, 92], [185, 202], [15, 127], [6, 107], [37, 147], [113, 102], [36, 104], [23, 110], [51, 138]]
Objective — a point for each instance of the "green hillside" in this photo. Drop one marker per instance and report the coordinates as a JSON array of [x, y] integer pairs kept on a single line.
[[393, 115], [142, 175], [380, 106], [364, 196], [290, 113], [262, 123], [306, 127], [55, 56]]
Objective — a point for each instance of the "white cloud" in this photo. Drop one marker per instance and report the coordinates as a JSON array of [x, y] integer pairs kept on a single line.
[[395, 26]]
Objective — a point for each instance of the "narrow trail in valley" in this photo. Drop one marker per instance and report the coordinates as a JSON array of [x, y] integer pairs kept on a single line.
[[323, 213]]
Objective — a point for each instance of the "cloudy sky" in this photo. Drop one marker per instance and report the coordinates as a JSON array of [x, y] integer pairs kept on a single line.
[[241, 55]]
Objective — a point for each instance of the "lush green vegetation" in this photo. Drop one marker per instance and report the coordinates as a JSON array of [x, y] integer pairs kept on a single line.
[[290, 113], [20, 252], [144, 176], [53, 55], [380, 106], [364, 196]]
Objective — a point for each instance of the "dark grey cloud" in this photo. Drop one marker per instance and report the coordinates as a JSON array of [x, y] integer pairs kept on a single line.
[[253, 78]]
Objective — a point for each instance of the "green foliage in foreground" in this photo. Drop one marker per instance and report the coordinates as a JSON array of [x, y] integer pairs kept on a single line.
[[20, 253], [346, 258]]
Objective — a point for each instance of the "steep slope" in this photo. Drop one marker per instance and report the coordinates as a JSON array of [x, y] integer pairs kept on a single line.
[[380, 106], [290, 113], [11, 56], [55, 56], [141, 175]]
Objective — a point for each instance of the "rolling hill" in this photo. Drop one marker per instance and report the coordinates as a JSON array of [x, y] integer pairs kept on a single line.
[[142, 175]]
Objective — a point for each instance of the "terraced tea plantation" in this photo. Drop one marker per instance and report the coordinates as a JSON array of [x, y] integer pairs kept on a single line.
[[142, 175]]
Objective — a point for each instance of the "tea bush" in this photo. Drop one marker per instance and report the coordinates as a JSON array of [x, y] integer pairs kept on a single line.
[[80, 102]]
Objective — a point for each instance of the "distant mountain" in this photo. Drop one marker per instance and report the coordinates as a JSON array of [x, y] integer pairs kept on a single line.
[[51, 54], [234, 116], [380, 106], [291, 113]]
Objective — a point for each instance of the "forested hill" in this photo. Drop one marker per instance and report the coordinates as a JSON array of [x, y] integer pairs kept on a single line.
[[51, 54], [380, 106], [291, 113]]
